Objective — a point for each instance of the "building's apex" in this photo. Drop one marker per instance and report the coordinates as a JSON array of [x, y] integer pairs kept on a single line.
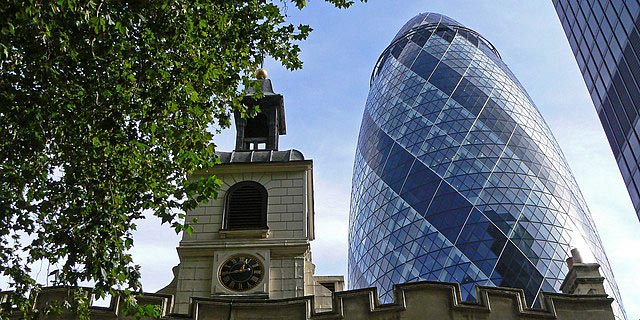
[[426, 18], [423, 26], [259, 156]]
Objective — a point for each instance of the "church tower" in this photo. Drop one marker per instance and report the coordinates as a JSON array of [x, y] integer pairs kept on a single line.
[[253, 241]]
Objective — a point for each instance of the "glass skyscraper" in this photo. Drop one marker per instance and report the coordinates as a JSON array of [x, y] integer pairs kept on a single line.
[[604, 38], [457, 177]]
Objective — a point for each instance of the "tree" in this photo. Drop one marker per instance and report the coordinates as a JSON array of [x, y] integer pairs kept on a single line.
[[104, 110]]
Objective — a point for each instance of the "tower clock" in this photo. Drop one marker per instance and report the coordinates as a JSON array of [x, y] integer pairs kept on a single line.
[[241, 272]]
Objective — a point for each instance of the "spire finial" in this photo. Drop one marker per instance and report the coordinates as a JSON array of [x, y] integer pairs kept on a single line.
[[262, 72]]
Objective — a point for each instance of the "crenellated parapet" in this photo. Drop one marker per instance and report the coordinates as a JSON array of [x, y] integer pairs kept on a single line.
[[57, 297], [420, 300]]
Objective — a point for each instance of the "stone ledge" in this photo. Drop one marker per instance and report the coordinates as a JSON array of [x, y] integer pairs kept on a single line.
[[252, 167], [277, 247], [243, 234]]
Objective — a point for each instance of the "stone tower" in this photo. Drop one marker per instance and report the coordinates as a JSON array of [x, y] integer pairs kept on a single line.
[[253, 241]]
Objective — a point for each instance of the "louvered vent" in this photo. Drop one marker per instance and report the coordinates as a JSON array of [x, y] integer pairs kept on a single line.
[[246, 206]]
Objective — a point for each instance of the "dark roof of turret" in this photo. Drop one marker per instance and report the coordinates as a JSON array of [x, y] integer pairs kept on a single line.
[[267, 88], [260, 156]]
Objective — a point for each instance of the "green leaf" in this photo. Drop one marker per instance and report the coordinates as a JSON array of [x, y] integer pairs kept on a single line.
[[104, 107]]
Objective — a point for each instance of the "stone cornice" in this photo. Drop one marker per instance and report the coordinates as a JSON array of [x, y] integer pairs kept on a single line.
[[255, 167]]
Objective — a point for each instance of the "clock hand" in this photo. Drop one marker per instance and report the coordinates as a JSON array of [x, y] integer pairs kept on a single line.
[[236, 271]]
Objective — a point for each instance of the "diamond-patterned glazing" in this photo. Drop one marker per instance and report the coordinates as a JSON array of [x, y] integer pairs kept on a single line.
[[457, 176]]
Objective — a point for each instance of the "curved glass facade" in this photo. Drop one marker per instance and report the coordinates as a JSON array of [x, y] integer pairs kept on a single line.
[[457, 177]]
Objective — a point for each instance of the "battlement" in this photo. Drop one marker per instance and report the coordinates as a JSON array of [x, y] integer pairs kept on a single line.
[[419, 300]]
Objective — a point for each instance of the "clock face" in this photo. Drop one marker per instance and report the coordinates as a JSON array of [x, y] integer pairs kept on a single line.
[[241, 272]]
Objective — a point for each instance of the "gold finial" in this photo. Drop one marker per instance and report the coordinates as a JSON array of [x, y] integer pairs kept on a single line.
[[261, 73]]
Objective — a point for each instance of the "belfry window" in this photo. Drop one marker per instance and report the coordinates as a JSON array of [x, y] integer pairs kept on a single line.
[[246, 207]]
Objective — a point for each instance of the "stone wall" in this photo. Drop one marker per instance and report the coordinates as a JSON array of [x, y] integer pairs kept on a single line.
[[322, 296], [288, 201], [287, 277], [421, 300], [195, 277]]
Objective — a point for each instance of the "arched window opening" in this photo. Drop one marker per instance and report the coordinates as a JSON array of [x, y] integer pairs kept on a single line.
[[246, 206], [257, 127]]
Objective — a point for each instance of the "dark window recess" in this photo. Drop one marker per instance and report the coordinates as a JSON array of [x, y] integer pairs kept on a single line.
[[246, 206], [329, 285], [257, 126]]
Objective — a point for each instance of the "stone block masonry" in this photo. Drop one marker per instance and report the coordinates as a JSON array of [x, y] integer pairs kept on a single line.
[[287, 205], [415, 301], [283, 248]]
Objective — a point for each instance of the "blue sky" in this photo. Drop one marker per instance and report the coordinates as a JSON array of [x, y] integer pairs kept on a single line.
[[324, 104]]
